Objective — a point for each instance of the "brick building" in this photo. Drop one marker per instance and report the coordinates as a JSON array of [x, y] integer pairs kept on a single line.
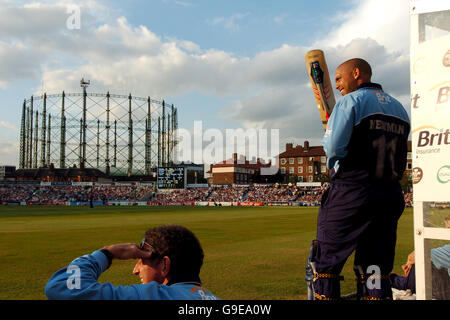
[[235, 171], [305, 161]]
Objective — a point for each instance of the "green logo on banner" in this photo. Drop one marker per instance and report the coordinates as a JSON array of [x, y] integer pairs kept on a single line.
[[443, 174]]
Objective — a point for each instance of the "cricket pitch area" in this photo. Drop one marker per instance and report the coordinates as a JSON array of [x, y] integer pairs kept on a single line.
[[251, 253]]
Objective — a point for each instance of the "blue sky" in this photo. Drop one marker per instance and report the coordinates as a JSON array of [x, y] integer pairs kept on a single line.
[[242, 27], [231, 64]]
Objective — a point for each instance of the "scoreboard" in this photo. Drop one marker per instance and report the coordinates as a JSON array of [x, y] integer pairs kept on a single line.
[[171, 178]]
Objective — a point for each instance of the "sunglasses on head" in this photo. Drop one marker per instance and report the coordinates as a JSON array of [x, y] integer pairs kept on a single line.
[[152, 249]]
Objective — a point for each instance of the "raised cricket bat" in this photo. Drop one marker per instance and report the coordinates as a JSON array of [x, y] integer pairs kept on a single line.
[[320, 81]]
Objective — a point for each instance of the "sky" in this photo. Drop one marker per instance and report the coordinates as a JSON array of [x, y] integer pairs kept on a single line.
[[228, 63]]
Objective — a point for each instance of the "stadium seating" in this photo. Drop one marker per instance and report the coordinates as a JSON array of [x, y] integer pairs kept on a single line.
[[252, 193]]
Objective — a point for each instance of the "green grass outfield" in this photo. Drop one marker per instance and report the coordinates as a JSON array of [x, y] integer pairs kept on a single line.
[[250, 252]]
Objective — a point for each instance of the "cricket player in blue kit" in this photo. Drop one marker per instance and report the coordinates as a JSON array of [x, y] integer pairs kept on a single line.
[[170, 258], [366, 146]]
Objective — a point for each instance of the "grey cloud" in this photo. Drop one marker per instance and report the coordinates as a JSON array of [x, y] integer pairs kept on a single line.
[[17, 62], [390, 69], [268, 104], [281, 66], [296, 115], [291, 109], [8, 154], [40, 22], [25, 23], [394, 76]]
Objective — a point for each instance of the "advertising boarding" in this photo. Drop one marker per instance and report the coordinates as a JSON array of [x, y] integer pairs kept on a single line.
[[430, 119]]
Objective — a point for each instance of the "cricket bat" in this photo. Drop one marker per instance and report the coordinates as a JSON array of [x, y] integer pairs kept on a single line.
[[320, 81]]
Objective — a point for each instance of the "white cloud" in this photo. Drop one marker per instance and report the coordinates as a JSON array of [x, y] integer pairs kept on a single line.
[[145, 64], [183, 3], [279, 19], [385, 21], [230, 23], [8, 125], [188, 46], [179, 3]]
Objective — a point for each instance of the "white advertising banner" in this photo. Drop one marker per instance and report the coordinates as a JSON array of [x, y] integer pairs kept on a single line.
[[309, 184], [430, 119]]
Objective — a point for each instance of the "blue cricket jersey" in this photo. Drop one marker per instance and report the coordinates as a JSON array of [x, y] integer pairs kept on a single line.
[[441, 257], [79, 281], [366, 137]]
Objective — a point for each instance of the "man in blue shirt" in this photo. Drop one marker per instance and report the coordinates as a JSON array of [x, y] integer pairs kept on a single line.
[[170, 259], [366, 146]]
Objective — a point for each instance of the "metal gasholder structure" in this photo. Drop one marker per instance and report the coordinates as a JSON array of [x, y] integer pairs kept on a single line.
[[117, 134]]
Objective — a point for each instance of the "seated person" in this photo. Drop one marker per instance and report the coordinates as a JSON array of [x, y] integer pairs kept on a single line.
[[170, 258], [408, 281]]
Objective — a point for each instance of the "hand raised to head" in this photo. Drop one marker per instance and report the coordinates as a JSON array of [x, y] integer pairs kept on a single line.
[[125, 251]]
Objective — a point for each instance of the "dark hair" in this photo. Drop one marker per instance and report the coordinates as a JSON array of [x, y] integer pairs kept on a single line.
[[180, 245]]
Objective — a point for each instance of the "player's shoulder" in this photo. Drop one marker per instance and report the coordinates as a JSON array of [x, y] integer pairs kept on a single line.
[[350, 100], [179, 291], [374, 95], [376, 101]]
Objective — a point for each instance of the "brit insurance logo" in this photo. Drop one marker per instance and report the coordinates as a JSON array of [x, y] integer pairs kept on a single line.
[[417, 175], [443, 174], [431, 139]]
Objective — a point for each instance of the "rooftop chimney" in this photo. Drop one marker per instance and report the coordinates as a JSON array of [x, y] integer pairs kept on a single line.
[[306, 145]]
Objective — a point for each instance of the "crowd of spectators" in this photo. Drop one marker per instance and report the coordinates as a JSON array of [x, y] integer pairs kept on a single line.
[[252, 193], [16, 193], [273, 193], [228, 194], [183, 195], [52, 194], [313, 195], [259, 193]]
